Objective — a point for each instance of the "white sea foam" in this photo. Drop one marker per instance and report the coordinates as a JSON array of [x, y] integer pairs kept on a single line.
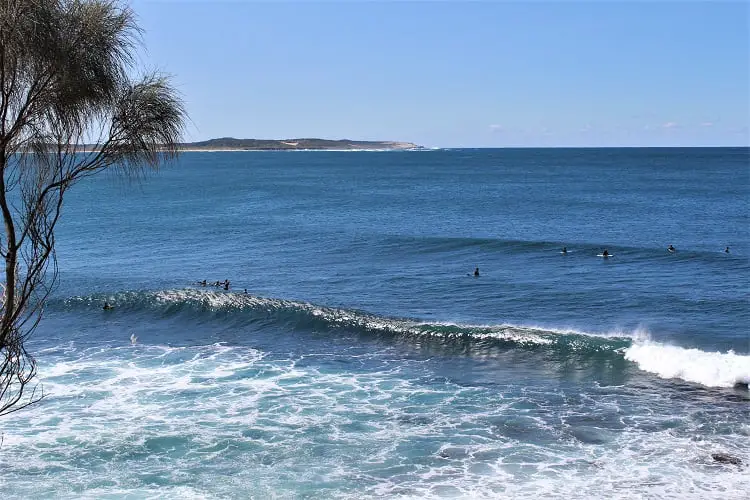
[[222, 421], [712, 369]]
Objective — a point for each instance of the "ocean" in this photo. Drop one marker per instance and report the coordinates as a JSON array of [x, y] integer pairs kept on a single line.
[[356, 355]]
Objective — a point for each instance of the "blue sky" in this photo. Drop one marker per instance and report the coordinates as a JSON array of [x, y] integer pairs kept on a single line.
[[452, 74]]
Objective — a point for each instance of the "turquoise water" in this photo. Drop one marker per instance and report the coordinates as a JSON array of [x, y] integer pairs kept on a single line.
[[365, 360]]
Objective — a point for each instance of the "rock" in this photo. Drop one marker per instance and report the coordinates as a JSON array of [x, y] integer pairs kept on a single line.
[[726, 458]]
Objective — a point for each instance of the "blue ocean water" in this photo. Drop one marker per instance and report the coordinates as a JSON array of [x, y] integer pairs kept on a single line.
[[356, 356]]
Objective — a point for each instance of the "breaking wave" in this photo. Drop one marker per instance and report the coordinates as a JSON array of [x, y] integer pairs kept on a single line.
[[711, 369]]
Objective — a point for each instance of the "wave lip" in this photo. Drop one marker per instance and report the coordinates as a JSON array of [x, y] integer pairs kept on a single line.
[[711, 369]]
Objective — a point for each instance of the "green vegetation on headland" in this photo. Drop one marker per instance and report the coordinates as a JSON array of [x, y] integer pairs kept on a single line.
[[232, 144]]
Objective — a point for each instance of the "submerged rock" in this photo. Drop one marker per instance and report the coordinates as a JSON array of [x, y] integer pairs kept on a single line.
[[726, 458]]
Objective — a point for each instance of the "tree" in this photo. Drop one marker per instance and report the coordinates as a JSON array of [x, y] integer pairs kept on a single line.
[[66, 80]]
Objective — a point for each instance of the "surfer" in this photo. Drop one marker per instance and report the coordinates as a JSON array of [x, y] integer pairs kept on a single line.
[[564, 250], [726, 250], [671, 249], [202, 283], [605, 253], [226, 284], [476, 272], [107, 307]]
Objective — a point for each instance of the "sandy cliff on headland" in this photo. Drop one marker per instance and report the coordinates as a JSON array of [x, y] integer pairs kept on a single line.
[[232, 144]]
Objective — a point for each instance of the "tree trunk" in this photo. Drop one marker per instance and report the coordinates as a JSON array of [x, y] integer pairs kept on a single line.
[[11, 257]]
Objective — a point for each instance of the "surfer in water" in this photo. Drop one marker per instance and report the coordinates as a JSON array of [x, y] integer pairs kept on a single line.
[[564, 250], [476, 272], [107, 307], [671, 249], [605, 253], [726, 250]]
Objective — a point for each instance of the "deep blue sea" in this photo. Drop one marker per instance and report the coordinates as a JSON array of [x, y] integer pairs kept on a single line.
[[355, 355]]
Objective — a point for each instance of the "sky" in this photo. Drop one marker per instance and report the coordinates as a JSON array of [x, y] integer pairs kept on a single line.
[[460, 73]]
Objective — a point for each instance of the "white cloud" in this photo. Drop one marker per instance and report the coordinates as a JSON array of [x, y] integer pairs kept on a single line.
[[707, 124], [496, 128], [669, 125]]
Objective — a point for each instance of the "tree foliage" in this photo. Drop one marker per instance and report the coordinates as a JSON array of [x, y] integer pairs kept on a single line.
[[66, 80]]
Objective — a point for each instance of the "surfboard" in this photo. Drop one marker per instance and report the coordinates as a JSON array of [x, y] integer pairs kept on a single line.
[[605, 256]]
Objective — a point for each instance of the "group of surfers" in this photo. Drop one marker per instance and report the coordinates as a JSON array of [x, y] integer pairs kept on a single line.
[[605, 253], [218, 284]]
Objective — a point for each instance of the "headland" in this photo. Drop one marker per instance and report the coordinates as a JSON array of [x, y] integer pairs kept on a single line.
[[232, 144]]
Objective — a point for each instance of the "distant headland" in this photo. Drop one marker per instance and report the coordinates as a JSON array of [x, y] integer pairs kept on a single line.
[[232, 144]]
